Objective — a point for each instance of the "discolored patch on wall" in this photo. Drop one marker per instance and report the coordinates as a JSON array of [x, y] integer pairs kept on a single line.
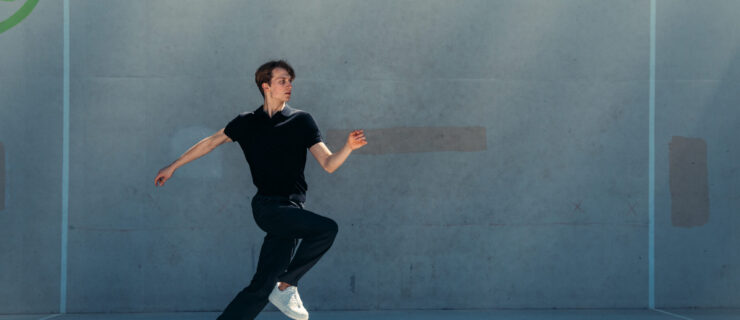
[[414, 139], [352, 286], [688, 182], [2, 177]]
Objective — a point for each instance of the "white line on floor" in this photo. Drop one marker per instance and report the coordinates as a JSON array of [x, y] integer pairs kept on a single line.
[[673, 314]]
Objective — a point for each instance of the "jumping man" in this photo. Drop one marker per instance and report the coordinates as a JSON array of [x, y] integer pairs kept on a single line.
[[274, 139]]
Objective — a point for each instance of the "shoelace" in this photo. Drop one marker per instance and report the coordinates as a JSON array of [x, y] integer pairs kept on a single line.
[[296, 298]]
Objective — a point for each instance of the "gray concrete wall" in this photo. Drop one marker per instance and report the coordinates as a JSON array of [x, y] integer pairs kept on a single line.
[[551, 212], [697, 97], [30, 132]]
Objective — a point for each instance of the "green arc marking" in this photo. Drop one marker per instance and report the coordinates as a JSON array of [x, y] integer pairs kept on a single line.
[[17, 17]]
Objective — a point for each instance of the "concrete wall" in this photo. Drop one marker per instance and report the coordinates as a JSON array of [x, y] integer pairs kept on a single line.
[[31, 135], [697, 97], [551, 212]]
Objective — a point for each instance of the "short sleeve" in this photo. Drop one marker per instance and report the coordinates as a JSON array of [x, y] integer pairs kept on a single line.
[[235, 128], [312, 135]]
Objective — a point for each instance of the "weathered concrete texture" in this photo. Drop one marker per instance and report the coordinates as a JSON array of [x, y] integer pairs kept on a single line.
[[558, 89], [697, 96], [30, 131]]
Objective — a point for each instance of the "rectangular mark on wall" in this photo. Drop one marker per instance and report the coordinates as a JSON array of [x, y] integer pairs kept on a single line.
[[2, 177], [688, 182], [414, 139]]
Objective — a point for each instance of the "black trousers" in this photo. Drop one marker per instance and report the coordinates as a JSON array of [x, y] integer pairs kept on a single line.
[[285, 221]]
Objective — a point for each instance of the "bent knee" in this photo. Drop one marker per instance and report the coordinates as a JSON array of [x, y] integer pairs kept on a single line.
[[332, 227]]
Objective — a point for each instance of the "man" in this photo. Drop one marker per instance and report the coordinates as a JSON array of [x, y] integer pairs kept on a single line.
[[274, 139]]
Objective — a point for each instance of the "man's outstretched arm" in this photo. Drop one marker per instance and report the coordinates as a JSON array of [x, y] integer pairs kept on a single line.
[[331, 161], [196, 151]]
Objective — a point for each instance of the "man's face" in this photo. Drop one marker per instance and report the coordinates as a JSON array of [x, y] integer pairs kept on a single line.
[[280, 85]]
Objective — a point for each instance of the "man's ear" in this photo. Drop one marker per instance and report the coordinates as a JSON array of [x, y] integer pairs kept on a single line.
[[265, 86]]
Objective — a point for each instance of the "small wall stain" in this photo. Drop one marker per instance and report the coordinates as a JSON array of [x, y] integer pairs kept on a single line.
[[632, 206], [407, 283], [352, 283], [577, 206], [175, 257]]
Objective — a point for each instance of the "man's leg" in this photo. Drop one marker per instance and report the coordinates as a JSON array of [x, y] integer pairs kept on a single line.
[[283, 221], [274, 256], [317, 234]]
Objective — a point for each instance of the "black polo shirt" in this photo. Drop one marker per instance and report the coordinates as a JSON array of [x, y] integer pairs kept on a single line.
[[275, 148]]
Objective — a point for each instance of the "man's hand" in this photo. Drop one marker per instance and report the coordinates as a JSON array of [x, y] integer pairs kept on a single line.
[[356, 139], [164, 174], [331, 161]]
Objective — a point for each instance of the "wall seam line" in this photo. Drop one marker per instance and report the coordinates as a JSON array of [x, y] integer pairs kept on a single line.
[[651, 164], [65, 166]]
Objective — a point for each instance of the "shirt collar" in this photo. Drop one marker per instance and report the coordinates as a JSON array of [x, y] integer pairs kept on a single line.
[[287, 110]]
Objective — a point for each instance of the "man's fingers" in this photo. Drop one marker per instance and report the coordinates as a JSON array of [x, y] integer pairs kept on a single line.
[[159, 181], [357, 138]]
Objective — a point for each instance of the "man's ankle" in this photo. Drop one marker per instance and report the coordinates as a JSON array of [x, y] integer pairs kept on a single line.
[[283, 285]]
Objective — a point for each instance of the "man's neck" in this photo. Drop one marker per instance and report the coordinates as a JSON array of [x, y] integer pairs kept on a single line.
[[273, 107]]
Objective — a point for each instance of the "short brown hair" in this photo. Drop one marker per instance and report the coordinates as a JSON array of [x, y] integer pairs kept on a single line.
[[264, 73]]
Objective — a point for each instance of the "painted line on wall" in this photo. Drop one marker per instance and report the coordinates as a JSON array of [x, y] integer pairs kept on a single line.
[[651, 165], [65, 166], [673, 314], [414, 139], [18, 16]]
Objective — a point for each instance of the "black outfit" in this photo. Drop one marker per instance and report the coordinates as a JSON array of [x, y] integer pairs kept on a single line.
[[275, 149]]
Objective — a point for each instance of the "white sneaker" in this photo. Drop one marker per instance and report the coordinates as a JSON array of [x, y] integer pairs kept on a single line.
[[289, 302]]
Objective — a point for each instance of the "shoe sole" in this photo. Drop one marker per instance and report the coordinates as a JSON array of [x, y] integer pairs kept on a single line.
[[288, 313]]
